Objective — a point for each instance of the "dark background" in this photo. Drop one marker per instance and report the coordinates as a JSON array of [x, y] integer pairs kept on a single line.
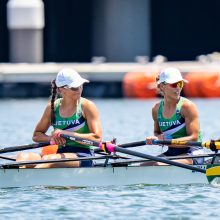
[[180, 29]]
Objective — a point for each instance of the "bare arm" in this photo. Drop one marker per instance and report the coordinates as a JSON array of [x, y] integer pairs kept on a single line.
[[157, 130], [190, 113], [42, 126]]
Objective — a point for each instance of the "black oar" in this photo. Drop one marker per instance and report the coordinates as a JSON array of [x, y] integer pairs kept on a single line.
[[33, 162], [114, 148], [129, 161], [97, 144], [23, 147], [158, 159], [7, 158]]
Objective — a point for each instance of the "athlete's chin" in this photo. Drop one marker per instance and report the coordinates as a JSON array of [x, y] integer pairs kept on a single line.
[[77, 95], [176, 95]]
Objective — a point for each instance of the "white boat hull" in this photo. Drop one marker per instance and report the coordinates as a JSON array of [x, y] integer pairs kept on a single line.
[[100, 176]]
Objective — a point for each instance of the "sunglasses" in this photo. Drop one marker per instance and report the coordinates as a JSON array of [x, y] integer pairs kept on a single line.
[[73, 89], [179, 84]]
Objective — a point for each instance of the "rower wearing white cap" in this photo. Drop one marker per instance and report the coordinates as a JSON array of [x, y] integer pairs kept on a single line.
[[175, 117], [71, 115]]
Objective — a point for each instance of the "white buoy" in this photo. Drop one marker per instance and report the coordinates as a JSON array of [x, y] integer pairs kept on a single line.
[[25, 21]]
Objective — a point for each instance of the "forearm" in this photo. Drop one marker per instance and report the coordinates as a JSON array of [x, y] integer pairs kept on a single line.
[[41, 137], [186, 138]]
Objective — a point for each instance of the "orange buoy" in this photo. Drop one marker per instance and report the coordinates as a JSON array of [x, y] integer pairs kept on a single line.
[[50, 149], [191, 89], [204, 84], [140, 84]]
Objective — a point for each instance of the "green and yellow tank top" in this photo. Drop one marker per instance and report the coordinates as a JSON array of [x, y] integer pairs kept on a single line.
[[175, 126], [75, 122]]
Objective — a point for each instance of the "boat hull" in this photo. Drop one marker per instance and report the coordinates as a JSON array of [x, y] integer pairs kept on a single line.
[[100, 176]]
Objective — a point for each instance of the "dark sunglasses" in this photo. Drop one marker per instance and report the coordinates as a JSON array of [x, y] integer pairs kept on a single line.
[[179, 84], [72, 88]]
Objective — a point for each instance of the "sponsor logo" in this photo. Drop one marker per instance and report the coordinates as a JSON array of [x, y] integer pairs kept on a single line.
[[169, 123], [66, 123]]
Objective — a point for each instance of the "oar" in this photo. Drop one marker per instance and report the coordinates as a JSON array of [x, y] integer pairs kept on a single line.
[[23, 147], [154, 158], [114, 148], [213, 145], [7, 158], [95, 143], [22, 163], [212, 173], [129, 161]]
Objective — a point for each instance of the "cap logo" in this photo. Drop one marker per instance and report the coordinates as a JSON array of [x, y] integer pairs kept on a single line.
[[61, 78]]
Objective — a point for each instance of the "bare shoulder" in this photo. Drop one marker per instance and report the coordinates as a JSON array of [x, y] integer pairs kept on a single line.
[[88, 103], [189, 108], [156, 107], [88, 106], [188, 104], [48, 106], [155, 110], [47, 110]]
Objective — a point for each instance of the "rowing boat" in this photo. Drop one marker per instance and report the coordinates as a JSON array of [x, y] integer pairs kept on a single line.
[[126, 172], [100, 176]]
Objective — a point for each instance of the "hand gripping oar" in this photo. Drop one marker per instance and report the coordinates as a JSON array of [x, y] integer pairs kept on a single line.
[[109, 147], [213, 145], [24, 147]]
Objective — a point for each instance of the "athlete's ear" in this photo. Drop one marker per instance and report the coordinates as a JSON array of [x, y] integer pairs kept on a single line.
[[59, 89], [161, 86], [161, 89]]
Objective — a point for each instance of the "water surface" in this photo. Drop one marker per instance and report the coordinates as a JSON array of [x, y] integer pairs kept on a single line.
[[128, 120]]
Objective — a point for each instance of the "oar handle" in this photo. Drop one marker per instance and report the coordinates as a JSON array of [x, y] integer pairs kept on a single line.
[[213, 145], [79, 139], [177, 142]]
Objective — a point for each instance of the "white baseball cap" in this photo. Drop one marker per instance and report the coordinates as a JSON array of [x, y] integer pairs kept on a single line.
[[69, 77], [170, 75]]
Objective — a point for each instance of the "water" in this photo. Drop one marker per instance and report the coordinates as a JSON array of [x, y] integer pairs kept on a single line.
[[128, 121]]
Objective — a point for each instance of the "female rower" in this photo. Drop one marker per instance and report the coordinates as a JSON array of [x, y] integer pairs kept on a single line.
[[72, 115], [175, 117]]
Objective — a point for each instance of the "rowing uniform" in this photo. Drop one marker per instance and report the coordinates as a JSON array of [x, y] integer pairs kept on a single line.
[[175, 127], [76, 123]]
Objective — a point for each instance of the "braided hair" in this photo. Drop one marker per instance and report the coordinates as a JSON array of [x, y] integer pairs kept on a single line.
[[159, 91], [52, 100]]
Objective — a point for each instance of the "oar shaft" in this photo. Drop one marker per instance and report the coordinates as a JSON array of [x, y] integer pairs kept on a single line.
[[133, 144], [23, 147], [97, 144], [158, 159], [7, 158], [22, 163], [129, 161]]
